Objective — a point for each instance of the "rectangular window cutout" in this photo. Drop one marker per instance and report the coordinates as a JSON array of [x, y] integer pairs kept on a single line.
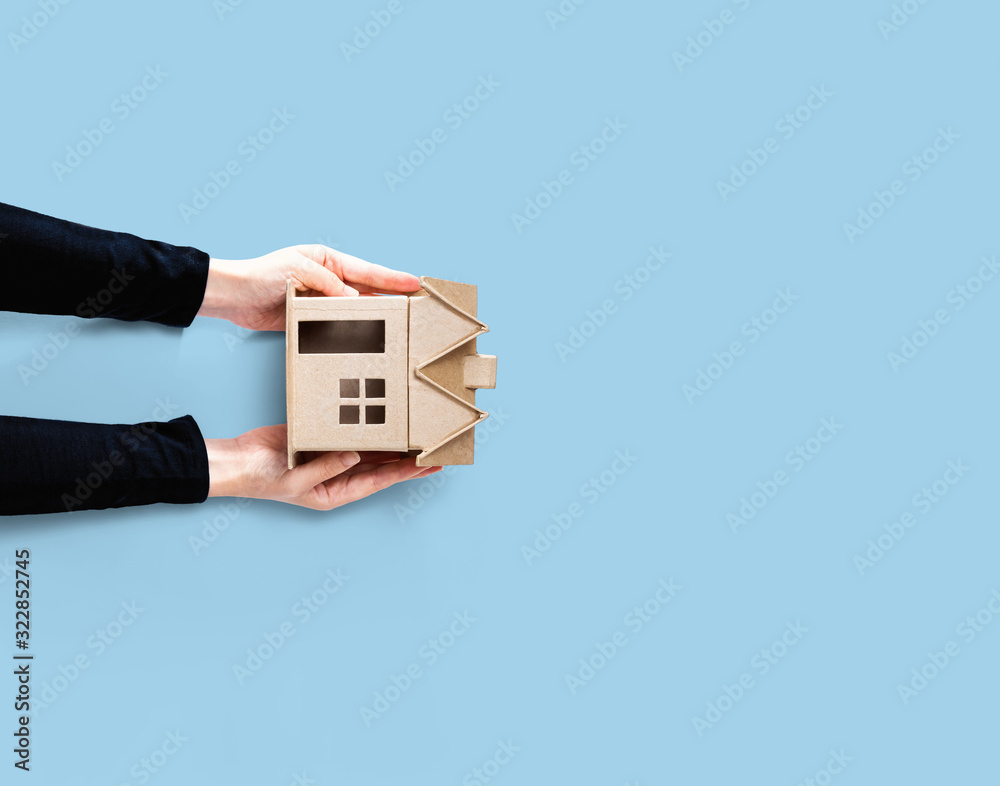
[[374, 388], [350, 388], [350, 416], [374, 414], [342, 336]]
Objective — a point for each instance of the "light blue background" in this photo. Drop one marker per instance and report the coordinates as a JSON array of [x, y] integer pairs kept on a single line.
[[562, 420]]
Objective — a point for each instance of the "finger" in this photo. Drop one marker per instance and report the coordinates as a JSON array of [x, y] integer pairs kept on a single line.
[[312, 275], [380, 456], [350, 488], [370, 277], [321, 469]]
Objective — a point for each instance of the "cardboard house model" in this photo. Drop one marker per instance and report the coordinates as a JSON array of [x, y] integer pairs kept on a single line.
[[386, 372]]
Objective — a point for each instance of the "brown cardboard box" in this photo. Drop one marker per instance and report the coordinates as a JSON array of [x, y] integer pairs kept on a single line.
[[386, 372]]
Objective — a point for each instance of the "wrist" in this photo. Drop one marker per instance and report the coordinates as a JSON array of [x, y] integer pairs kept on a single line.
[[222, 282], [225, 468]]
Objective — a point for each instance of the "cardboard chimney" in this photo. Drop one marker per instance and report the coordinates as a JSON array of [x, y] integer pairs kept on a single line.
[[386, 372]]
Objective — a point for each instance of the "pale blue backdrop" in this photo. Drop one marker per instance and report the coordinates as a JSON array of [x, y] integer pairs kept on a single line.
[[734, 518]]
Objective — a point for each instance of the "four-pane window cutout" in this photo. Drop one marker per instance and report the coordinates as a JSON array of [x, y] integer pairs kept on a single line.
[[371, 403]]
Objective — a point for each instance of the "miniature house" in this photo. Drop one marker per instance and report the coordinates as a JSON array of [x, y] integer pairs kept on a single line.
[[386, 372]]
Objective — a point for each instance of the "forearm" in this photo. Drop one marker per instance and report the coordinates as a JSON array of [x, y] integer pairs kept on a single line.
[[51, 266], [226, 468], [49, 466]]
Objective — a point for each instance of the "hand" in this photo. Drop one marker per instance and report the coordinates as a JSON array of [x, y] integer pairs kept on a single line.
[[255, 465], [251, 292]]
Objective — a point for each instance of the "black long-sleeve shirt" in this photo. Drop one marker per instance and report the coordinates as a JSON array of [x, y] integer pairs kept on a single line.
[[50, 266]]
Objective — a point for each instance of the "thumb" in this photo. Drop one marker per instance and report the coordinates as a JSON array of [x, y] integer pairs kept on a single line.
[[321, 469], [313, 275]]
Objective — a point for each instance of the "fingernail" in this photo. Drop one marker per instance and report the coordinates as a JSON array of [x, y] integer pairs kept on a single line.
[[350, 292], [350, 458]]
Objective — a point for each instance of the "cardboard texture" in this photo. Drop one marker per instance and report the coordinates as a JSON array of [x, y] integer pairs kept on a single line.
[[386, 372]]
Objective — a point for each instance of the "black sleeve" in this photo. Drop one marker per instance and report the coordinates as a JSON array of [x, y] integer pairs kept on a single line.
[[50, 266], [49, 466]]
